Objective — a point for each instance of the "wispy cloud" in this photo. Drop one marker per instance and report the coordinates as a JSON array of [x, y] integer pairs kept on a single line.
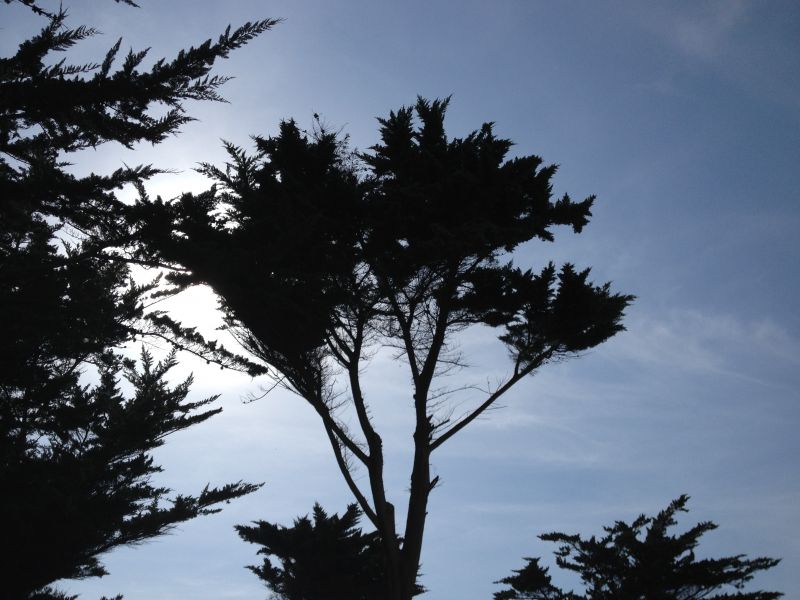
[[703, 34], [735, 39], [694, 341], [699, 30]]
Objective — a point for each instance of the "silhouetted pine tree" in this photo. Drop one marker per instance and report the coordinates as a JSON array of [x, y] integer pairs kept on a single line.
[[640, 561], [327, 558], [321, 256], [75, 460], [76, 472]]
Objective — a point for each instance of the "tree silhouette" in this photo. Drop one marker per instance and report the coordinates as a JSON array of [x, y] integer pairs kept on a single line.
[[327, 558], [76, 470], [321, 256], [75, 463], [640, 561]]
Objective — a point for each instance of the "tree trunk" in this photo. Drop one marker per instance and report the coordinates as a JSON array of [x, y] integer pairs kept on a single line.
[[417, 509]]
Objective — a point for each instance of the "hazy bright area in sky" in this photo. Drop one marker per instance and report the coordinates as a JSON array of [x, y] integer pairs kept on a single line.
[[683, 118]]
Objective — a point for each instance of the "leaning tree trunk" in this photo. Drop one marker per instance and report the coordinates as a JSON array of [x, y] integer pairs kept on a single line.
[[417, 511]]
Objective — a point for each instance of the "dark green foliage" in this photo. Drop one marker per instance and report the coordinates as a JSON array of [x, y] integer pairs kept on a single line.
[[80, 106], [75, 463], [48, 110], [58, 307], [49, 593], [37, 9], [296, 241], [76, 471], [327, 558], [294, 248], [446, 200], [532, 582], [641, 561], [321, 255]]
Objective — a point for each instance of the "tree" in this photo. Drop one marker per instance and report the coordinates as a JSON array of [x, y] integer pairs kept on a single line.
[[321, 256], [640, 561], [77, 469], [75, 463], [329, 558]]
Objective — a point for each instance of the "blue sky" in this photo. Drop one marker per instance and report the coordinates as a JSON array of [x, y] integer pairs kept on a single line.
[[683, 118]]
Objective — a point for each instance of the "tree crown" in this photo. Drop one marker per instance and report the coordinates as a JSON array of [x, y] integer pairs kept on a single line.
[[640, 560]]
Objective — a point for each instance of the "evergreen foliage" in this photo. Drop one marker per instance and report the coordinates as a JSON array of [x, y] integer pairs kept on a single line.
[[75, 463], [321, 256], [76, 468], [640, 561], [327, 558], [51, 109]]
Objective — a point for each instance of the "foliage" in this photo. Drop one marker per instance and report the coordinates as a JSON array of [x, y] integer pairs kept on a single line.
[[641, 561], [327, 558], [321, 256], [52, 109], [76, 462], [75, 458]]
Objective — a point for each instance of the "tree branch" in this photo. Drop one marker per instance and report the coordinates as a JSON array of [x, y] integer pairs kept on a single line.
[[338, 349], [405, 329], [373, 439], [518, 374], [348, 477], [331, 425]]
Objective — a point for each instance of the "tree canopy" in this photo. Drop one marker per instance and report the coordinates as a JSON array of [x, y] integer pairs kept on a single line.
[[321, 558], [321, 255], [75, 462], [77, 472], [640, 561]]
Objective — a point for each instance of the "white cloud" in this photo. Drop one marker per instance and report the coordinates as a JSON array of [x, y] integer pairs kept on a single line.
[[704, 34], [693, 341]]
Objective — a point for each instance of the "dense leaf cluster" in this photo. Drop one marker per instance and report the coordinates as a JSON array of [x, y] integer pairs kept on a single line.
[[76, 468], [305, 237], [324, 558], [321, 255], [49, 109], [75, 462], [640, 561]]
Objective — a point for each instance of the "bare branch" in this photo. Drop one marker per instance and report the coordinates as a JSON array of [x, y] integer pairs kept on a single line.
[[408, 341], [373, 439], [150, 264], [250, 397], [348, 476], [519, 373], [338, 349], [331, 425]]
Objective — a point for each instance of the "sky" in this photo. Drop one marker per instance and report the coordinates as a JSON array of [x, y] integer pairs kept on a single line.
[[682, 117]]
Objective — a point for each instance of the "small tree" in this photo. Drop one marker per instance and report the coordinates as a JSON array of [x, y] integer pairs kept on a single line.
[[327, 558], [640, 561], [321, 256], [75, 463]]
